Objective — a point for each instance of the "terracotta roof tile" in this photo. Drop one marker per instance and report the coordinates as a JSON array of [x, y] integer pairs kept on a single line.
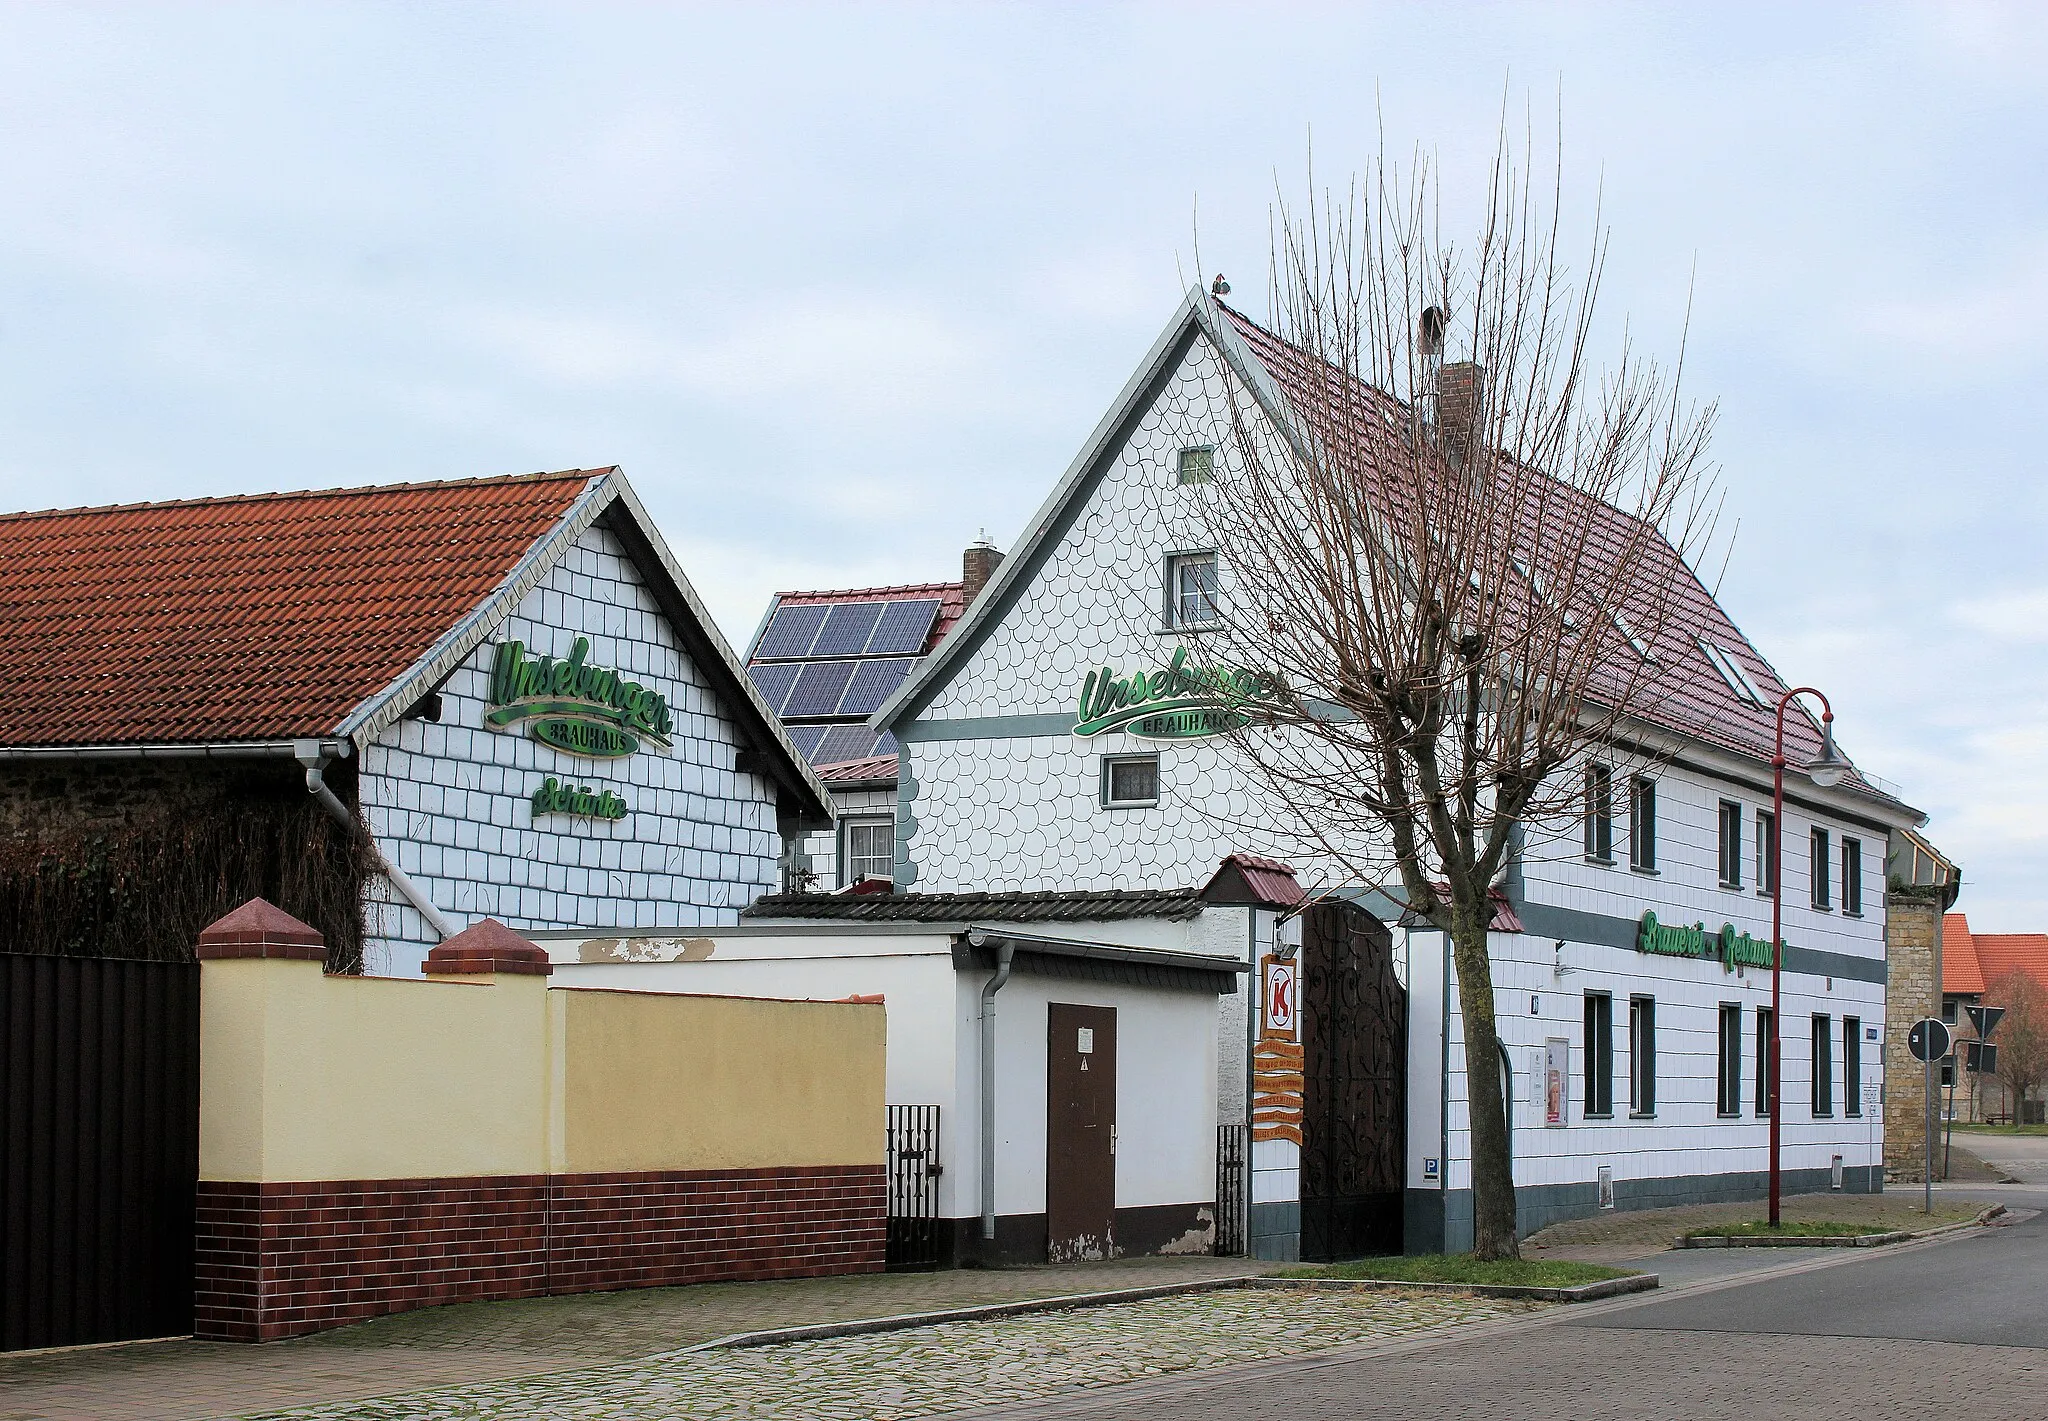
[[881, 767], [269, 616], [1961, 973]]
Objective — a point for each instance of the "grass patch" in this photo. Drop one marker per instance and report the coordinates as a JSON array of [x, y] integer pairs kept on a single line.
[[1968, 1128], [1807, 1228], [1463, 1268]]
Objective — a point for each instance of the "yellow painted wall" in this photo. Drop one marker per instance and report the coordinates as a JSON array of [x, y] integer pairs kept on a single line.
[[652, 1080], [305, 1076], [309, 1076]]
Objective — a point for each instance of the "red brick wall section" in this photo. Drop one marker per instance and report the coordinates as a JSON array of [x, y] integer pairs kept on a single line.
[[280, 1260]]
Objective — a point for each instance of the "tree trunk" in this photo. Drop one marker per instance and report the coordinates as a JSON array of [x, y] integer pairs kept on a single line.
[[1493, 1180]]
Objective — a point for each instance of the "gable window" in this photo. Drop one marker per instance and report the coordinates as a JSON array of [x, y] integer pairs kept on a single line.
[[1192, 590], [1728, 1098], [1600, 814], [1642, 1056], [1823, 1068], [1766, 851], [867, 850], [1819, 861], [1599, 1096], [1197, 464], [1852, 877], [1130, 781], [1642, 825], [1731, 844], [1724, 660]]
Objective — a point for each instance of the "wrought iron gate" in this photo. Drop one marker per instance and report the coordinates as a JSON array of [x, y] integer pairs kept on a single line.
[[1354, 1017], [99, 1148], [1230, 1182], [916, 1233]]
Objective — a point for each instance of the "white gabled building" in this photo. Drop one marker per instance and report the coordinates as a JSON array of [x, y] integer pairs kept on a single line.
[[1633, 1052]]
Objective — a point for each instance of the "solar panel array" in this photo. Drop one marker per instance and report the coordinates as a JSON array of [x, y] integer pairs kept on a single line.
[[848, 629], [838, 662]]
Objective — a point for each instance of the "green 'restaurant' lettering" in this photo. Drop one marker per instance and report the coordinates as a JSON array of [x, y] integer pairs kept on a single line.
[[576, 707], [554, 797], [1175, 702], [1730, 948]]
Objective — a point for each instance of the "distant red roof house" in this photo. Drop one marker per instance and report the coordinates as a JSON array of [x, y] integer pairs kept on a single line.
[[1972, 962]]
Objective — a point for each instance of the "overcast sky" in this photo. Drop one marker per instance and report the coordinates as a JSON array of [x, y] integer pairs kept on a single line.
[[841, 286]]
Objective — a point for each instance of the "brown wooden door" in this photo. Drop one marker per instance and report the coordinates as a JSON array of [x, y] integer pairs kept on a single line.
[[1080, 1132]]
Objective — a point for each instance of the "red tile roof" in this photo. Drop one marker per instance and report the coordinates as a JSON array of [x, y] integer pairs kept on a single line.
[[264, 617], [1267, 882], [1689, 695], [881, 767], [1984, 958]]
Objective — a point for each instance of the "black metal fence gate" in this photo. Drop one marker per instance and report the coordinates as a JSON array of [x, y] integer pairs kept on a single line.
[[915, 1230], [1354, 1018], [1230, 1187], [99, 1148]]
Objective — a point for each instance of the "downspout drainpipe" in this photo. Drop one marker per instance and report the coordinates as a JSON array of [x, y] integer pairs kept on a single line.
[[988, 1079], [316, 766]]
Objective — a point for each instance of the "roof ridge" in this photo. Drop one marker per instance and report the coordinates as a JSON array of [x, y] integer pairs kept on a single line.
[[542, 476], [869, 591]]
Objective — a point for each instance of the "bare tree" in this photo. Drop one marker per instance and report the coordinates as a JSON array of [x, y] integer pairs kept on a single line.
[[2022, 1036], [1449, 576]]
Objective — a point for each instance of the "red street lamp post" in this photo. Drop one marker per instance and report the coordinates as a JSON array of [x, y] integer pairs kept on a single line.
[[1826, 772]]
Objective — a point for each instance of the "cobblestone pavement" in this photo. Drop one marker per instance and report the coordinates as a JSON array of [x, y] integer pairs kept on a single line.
[[1568, 1373], [187, 1381], [927, 1370], [1644, 1230]]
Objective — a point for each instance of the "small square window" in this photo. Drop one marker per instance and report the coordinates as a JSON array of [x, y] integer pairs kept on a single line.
[[1130, 781], [1192, 590], [1197, 465]]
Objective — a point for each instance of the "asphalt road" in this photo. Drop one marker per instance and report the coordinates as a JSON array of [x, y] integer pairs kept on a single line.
[[1902, 1331], [2024, 1157]]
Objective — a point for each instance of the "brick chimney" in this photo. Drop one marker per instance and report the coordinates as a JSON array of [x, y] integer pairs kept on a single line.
[[1460, 405], [977, 565]]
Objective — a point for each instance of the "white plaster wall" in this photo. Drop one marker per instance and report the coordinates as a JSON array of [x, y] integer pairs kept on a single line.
[[1166, 1104], [450, 801]]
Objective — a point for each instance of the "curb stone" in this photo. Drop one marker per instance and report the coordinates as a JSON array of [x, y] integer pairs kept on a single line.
[[1583, 1293], [1834, 1240]]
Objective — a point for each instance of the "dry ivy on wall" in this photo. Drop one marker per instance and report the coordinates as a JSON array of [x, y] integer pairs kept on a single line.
[[145, 886]]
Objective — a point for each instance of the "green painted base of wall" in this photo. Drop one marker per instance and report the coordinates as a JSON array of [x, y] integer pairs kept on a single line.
[[1275, 1231], [1437, 1222]]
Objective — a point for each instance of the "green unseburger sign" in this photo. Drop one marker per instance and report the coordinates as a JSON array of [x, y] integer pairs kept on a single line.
[[573, 706], [1175, 702], [1730, 948], [554, 797]]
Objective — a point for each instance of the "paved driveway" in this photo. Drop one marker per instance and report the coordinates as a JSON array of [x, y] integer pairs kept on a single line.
[[2024, 1157]]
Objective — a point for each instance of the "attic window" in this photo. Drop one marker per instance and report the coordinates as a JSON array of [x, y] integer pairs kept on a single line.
[[1635, 638], [1733, 673], [1535, 580], [1198, 464]]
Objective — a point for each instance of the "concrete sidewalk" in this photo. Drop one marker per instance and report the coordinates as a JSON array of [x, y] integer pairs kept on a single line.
[[192, 1381]]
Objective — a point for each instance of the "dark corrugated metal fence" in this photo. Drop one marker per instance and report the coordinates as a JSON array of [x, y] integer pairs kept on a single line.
[[99, 1148]]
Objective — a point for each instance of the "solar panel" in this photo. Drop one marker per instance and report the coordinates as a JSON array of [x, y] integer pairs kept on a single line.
[[847, 630], [819, 687], [791, 631], [874, 683], [845, 742], [904, 627], [773, 682], [885, 744], [806, 738]]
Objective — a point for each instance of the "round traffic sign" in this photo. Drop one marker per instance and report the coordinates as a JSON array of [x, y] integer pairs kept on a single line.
[[1929, 1039]]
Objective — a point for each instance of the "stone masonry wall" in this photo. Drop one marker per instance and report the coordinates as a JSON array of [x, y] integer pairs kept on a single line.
[[1913, 952]]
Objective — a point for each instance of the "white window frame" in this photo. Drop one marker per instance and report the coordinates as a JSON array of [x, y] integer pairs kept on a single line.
[[847, 876], [1106, 778], [1733, 672], [1175, 618], [1188, 461]]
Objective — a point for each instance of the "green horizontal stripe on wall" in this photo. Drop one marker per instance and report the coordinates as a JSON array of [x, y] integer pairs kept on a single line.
[[989, 727]]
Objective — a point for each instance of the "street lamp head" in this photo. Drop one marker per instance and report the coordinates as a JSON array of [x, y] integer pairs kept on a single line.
[[1828, 770]]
